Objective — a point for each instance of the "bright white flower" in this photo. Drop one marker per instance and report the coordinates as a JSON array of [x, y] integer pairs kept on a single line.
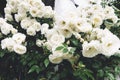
[[56, 58], [91, 49], [36, 26], [7, 10], [2, 21], [96, 33], [61, 22], [5, 29], [31, 31], [20, 49], [8, 43], [84, 27], [14, 31], [44, 28], [39, 42], [19, 17], [34, 11], [56, 39], [19, 38], [13, 4], [66, 33], [50, 33], [114, 18], [36, 3], [8, 17], [108, 10], [23, 7], [27, 22], [48, 12], [110, 43], [96, 20]]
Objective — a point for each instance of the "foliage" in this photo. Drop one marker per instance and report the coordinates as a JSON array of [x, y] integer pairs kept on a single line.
[[35, 65]]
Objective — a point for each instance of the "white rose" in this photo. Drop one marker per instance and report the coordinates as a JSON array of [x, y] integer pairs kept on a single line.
[[19, 17], [48, 12], [2, 21], [7, 10], [23, 7], [8, 17], [110, 43], [36, 26], [85, 27], [50, 32], [66, 33], [31, 31], [44, 28], [56, 39], [34, 11], [27, 22], [14, 31], [36, 3], [19, 37], [96, 20], [20, 49], [56, 58], [91, 49], [8, 43], [39, 42], [5, 29]]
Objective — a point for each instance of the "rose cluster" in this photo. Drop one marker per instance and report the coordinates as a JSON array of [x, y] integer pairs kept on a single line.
[[68, 21]]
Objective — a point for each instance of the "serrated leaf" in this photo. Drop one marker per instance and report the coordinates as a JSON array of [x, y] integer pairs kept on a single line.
[[46, 62], [59, 48]]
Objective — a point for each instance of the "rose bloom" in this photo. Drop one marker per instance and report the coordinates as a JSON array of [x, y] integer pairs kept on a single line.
[[20, 49], [8, 43], [36, 26], [55, 58], [65, 32], [96, 20], [8, 17], [27, 22], [19, 17], [48, 12], [6, 28], [34, 11], [19, 37], [91, 49], [14, 31], [31, 31], [44, 28], [110, 43], [56, 39]]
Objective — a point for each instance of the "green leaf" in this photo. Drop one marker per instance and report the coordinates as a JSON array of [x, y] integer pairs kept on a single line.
[[72, 50], [34, 68], [59, 48], [110, 76], [46, 62], [100, 73], [65, 50], [2, 54]]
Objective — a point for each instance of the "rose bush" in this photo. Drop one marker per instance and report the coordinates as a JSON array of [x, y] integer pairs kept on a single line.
[[74, 41]]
